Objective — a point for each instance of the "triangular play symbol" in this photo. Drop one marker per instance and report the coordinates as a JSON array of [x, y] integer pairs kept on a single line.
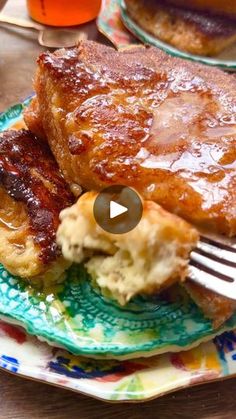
[[116, 209]]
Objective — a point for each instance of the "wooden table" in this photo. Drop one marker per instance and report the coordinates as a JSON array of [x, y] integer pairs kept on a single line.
[[27, 399]]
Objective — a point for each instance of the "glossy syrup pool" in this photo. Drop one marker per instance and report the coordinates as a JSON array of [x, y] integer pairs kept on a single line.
[[143, 121]]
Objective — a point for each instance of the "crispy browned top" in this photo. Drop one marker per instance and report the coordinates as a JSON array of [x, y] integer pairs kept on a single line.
[[208, 23], [142, 118], [29, 173]]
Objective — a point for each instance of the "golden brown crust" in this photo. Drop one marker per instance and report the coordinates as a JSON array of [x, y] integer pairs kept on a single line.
[[31, 118], [17, 247], [215, 307], [141, 118], [194, 32], [144, 119], [32, 195]]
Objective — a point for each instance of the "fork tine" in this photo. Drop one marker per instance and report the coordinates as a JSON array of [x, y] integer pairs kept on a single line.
[[214, 251], [213, 265], [216, 268], [227, 289], [220, 242]]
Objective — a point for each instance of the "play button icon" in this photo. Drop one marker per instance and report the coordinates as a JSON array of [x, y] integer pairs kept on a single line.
[[118, 209]]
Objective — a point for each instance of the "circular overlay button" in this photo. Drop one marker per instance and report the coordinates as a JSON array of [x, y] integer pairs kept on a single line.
[[118, 209]]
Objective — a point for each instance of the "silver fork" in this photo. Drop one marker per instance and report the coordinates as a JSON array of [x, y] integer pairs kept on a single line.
[[213, 265]]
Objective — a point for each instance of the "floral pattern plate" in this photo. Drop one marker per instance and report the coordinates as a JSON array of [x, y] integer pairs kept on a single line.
[[75, 316], [114, 20], [137, 380]]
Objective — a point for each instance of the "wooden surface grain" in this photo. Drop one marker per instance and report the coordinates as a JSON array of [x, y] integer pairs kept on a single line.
[[18, 52], [21, 398]]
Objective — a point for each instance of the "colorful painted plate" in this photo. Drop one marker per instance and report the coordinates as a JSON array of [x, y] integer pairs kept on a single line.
[[110, 24], [137, 380], [77, 317]]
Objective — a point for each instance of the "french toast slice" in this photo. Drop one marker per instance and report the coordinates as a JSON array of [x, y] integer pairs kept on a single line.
[[32, 194], [195, 32], [143, 119]]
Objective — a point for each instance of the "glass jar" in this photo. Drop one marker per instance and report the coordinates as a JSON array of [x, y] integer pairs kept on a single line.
[[63, 12]]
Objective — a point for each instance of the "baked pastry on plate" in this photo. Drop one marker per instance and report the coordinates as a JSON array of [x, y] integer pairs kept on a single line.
[[32, 194], [146, 120], [140, 118], [145, 260], [195, 32]]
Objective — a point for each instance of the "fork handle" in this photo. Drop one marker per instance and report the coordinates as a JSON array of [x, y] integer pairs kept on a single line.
[[19, 22]]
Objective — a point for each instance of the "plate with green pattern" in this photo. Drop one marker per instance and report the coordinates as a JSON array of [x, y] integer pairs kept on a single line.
[[222, 61], [75, 315]]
